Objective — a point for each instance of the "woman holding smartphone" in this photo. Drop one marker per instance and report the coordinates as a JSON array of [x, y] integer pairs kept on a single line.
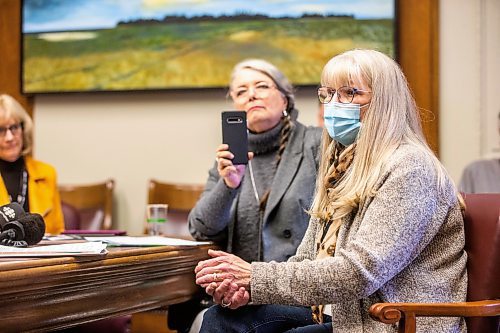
[[258, 211]]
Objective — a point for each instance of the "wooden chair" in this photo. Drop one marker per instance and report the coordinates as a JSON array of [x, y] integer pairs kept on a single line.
[[93, 202], [180, 198], [482, 243]]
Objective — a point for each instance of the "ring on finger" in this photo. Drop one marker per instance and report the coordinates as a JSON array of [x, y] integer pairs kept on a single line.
[[225, 305], [215, 276]]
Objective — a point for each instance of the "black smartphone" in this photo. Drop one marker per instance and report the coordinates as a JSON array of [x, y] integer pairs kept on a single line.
[[235, 134]]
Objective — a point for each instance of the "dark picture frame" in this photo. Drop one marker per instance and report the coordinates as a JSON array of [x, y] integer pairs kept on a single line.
[[185, 48]]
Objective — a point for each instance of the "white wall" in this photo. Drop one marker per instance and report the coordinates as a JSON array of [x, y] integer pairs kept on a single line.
[[469, 81], [172, 136]]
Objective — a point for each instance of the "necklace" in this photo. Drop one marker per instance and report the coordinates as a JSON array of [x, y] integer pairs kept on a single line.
[[253, 182], [261, 213], [21, 197]]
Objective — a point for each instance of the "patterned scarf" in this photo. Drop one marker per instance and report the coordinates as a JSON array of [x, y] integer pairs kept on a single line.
[[326, 240]]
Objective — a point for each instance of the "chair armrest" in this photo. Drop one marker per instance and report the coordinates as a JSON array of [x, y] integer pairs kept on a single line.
[[391, 313]]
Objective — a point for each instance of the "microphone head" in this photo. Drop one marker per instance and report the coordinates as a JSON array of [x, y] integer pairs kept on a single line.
[[34, 228], [10, 212]]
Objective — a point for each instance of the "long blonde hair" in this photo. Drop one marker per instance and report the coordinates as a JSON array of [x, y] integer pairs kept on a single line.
[[392, 118]]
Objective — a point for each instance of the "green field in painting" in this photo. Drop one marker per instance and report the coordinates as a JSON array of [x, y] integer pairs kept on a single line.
[[197, 54]]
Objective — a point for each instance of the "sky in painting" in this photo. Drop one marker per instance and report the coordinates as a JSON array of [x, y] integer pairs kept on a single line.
[[67, 15]]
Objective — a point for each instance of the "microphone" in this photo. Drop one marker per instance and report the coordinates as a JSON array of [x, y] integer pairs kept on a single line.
[[27, 230], [9, 213]]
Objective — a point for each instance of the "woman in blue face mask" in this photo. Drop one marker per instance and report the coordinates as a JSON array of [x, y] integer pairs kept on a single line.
[[386, 222], [343, 109]]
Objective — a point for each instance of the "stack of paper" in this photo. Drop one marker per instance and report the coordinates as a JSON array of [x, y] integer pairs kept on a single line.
[[68, 250], [144, 241]]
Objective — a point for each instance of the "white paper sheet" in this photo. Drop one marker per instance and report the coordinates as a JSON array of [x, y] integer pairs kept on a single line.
[[73, 249], [143, 241]]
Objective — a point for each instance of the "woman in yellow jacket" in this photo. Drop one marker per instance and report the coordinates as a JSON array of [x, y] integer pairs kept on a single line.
[[31, 183]]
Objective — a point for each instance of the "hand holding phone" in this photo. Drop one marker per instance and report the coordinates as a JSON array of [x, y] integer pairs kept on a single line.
[[235, 135], [232, 155]]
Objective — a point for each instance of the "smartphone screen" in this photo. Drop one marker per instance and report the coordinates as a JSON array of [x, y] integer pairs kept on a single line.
[[235, 134]]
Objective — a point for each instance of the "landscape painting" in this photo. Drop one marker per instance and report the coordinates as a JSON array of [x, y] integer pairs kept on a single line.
[[114, 45]]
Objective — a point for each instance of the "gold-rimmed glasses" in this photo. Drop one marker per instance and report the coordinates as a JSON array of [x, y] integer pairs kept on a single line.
[[345, 94]]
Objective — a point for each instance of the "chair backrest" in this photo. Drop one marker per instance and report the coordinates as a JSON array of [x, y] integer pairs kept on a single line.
[[180, 198], [94, 203], [482, 243], [71, 217]]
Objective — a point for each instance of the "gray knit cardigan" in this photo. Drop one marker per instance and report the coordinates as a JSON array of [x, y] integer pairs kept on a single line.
[[406, 244], [285, 218]]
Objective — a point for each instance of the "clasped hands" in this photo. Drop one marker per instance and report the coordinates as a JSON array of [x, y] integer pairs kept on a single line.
[[226, 278]]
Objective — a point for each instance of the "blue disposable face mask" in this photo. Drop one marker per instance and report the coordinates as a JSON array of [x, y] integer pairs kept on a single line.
[[342, 121]]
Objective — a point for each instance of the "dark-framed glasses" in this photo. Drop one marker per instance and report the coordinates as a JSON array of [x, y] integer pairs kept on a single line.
[[345, 94], [14, 129]]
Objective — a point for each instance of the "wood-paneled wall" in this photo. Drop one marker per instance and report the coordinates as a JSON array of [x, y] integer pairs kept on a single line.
[[418, 28], [10, 52], [418, 54]]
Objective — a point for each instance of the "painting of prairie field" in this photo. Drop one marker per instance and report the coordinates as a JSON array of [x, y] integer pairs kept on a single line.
[[121, 45]]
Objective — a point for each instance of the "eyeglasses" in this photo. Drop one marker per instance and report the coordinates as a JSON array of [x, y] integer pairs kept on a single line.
[[261, 89], [345, 94], [14, 129]]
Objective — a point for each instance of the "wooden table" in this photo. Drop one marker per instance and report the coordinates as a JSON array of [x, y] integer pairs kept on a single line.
[[53, 293]]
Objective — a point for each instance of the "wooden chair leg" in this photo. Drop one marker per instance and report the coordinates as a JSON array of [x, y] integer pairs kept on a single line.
[[408, 323]]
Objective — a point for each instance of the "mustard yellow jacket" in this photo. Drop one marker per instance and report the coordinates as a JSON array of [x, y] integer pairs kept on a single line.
[[43, 194]]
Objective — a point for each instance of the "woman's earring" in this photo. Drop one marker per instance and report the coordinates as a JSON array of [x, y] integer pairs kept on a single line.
[[285, 113]]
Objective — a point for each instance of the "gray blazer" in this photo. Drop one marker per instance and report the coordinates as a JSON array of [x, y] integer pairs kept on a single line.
[[285, 219], [405, 244]]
